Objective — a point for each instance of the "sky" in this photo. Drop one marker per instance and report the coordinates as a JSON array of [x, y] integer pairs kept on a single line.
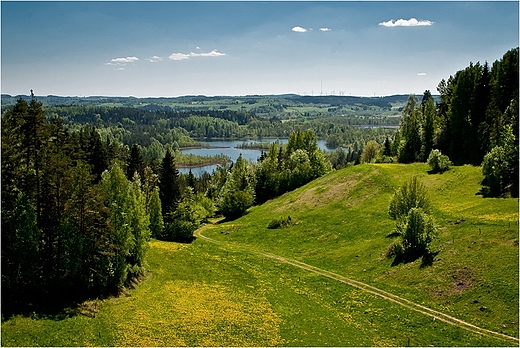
[[163, 49]]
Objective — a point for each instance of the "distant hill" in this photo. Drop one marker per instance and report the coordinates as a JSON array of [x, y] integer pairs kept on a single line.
[[159, 103]]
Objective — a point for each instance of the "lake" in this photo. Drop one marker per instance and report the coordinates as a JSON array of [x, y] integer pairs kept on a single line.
[[229, 148]]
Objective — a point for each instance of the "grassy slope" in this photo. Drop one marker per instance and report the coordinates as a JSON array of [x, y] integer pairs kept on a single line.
[[343, 227], [206, 295]]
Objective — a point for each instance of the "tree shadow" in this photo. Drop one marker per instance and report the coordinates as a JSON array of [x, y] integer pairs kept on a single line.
[[393, 235], [231, 218], [428, 258], [55, 307]]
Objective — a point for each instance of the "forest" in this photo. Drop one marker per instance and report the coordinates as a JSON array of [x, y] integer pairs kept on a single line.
[[84, 187]]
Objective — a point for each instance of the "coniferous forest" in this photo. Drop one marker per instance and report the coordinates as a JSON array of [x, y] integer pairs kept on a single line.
[[81, 196]]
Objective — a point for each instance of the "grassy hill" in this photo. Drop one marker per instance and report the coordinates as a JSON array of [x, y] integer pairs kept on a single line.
[[234, 291], [343, 226]]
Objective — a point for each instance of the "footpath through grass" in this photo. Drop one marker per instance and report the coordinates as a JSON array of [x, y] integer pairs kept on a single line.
[[203, 294]]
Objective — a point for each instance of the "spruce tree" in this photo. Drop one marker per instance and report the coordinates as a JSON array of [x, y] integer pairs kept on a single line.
[[135, 163], [169, 187]]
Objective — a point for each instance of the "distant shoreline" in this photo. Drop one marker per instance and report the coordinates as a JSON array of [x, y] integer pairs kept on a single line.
[[204, 164]]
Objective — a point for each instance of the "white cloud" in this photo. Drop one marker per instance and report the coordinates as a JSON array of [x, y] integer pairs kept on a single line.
[[124, 60], [179, 56], [298, 29], [213, 53], [324, 29], [184, 56], [120, 69], [421, 74], [412, 22], [154, 59]]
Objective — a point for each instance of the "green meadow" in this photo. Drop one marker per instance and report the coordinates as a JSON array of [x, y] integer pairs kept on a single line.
[[232, 290]]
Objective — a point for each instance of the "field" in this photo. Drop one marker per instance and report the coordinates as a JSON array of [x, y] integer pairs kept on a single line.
[[321, 281]]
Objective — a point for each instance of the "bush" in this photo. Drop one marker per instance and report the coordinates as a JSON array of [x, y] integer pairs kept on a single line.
[[395, 249], [179, 231], [412, 194], [280, 223], [384, 159], [370, 151], [417, 231], [180, 225], [438, 162], [234, 203]]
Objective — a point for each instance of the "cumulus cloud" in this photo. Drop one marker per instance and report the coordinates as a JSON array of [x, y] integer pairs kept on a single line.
[[324, 29], [213, 53], [298, 29], [124, 60], [154, 59], [179, 56], [412, 22], [421, 74], [186, 56]]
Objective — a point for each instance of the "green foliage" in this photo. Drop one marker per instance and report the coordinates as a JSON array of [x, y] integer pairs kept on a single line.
[[428, 127], [438, 162], [140, 224], [117, 198], [203, 207], [169, 188], [181, 224], [156, 218], [285, 168], [500, 166], [410, 141], [370, 151], [238, 192], [280, 223], [80, 236], [229, 295], [417, 231], [232, 202], [412, 194]]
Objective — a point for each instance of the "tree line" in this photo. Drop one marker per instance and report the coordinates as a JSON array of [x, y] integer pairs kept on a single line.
[[475, 122], [73, 225], [78, 211]]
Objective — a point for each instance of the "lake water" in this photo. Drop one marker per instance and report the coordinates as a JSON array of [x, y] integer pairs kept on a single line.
[[229, 148]]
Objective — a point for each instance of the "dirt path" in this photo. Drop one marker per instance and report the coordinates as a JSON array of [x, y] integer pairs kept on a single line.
[[436, 315]]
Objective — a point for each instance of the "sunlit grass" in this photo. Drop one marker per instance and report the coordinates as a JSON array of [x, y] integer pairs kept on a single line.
[[204, 294]]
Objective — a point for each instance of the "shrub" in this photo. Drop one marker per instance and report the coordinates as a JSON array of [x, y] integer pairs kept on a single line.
[[412, 194], [233, 203], [180, 225], [370, 151], [384, 159], [280, 223], [438, 162], [417, 231], [395, 249]]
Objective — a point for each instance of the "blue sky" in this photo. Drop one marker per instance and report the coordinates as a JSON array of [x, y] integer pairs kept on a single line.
[[239, 48]]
